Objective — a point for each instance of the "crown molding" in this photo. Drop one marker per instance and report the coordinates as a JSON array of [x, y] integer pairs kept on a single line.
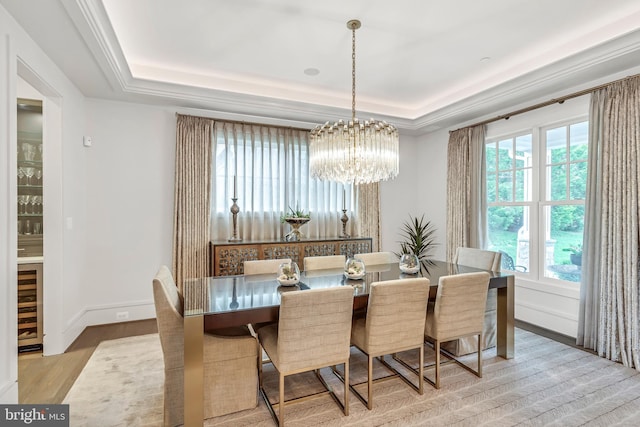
[[568, 75], [587, 66], [92, 22]]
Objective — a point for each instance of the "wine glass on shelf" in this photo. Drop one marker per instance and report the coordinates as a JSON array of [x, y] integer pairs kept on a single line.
[[20, 205], [23, 201], [21, 176], [29, 173], [34, 204], [38, 176], [28, 151]]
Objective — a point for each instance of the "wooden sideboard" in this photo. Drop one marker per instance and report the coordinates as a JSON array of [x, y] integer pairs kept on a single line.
[[226, 258]]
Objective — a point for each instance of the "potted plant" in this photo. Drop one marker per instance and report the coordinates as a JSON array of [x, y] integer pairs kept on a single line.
[[576, 254], [419, 238], [295, 218], [294, 213]]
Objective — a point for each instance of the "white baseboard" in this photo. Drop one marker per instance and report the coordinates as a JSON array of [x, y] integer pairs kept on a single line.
[[134, 310], [539, 315], [9, 392], [105, 314]]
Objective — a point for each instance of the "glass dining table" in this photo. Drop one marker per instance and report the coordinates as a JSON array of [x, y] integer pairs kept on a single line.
[[218, 302]]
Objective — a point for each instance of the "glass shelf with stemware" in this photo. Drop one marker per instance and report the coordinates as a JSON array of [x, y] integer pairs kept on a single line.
[[30, 191], [30, 163]]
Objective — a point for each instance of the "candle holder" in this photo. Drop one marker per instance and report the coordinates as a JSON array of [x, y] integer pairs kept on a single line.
[[344, 220], [234, 211]]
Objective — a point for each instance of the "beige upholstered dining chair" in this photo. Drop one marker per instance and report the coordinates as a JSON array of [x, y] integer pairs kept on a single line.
[[313, 332], [485, 260], [458, 312], [394, 322], [230, 359], [478, 258], [376, 258], [323, 262], [263, 266]]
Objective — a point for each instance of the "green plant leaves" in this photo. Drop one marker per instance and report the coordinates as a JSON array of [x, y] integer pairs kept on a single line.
[[419, 238]]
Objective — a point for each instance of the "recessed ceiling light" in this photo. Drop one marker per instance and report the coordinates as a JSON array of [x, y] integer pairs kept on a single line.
[[312, 71], [485, 60]]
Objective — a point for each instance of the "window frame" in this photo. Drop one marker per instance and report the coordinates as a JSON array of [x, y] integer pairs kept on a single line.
[[539, 199]]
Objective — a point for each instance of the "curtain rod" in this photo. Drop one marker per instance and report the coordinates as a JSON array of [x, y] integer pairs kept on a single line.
[[242, 122], [546, 103]]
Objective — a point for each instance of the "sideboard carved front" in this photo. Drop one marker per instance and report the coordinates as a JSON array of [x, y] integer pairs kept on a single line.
[[227, 258]]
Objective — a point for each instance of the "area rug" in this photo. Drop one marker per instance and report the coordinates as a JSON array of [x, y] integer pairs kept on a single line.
[[547, 383]]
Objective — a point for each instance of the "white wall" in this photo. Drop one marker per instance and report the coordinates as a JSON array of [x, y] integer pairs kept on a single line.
[[129, 179], [398, 197], [431, 158]]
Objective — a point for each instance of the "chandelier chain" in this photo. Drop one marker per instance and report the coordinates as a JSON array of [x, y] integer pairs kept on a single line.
[[353, 72]]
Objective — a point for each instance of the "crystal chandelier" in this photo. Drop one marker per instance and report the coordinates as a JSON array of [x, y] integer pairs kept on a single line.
[[359, 152]]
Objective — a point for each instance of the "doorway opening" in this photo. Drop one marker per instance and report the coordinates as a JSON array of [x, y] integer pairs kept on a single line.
[[29, 208]]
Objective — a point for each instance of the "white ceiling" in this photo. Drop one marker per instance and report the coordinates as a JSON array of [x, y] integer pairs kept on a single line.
[[420, 64]]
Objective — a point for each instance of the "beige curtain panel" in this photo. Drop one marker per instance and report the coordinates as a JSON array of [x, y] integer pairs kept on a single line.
[[466, 193], [609, 320], [192, 198], [368, 213]]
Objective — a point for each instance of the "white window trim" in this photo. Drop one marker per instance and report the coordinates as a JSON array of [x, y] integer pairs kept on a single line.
[[536, 207]]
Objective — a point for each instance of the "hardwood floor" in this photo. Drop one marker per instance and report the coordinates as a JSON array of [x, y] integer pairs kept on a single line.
[[47, 379]]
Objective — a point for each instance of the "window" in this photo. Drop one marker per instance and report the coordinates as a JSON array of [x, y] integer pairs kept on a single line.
[[536, 187], [270, 168], [510, 196]]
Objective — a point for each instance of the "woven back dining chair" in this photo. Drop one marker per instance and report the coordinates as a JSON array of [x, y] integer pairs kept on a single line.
[[377, 258], [458, 312], [394, 322], [312, 332], [324, 262], [485, 260], [264, 266]]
